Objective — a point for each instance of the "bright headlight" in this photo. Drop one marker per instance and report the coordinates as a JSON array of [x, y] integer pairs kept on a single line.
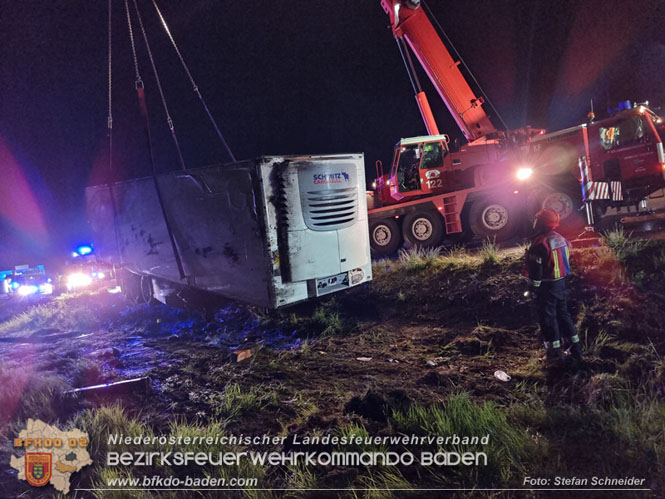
[[524, 173], [27, 290], [78, 281]]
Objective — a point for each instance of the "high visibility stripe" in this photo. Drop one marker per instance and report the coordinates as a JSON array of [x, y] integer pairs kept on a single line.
[[556, 344], [597, 190], [617, 195], [575, 339], [557, 272], [566, 260]]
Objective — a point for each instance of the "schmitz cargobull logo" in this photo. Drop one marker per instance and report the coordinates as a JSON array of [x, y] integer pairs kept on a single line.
[[38, 468], [331, 178]]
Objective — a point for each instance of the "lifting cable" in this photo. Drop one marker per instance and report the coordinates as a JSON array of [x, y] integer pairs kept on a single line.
[[169, 120], [408, 64], [109, 120], [473, 77], [109, 125], [194, 85], [144, 112], [138, 82]]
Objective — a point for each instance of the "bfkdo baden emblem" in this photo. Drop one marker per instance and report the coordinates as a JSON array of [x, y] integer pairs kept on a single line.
[[38, 468]]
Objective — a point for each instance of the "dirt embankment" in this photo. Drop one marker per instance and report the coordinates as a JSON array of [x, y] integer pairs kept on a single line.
[[428, 328]]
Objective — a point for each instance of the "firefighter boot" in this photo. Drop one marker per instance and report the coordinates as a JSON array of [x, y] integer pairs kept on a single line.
[[553, 357], [576, 354]]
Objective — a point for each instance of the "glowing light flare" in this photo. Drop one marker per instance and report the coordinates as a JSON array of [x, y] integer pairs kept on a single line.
[[84, 250], [524, 173], [19, 204], [78, 280], [28, 289]]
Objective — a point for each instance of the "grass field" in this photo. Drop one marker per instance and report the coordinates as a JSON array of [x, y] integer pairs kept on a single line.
[[412, 354]]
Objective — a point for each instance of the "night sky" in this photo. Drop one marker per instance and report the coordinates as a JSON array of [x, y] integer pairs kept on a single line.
[[280, 77]]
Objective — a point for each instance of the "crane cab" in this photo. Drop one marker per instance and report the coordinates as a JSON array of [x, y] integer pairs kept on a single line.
[[417, 169]]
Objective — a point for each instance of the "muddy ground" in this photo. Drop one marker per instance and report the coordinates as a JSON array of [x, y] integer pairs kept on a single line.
[[425, 329]]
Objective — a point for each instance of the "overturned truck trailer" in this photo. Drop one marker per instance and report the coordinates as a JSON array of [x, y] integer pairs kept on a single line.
[[270, 232]]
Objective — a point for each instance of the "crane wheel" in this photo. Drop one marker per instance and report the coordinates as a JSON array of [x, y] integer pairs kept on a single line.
[[423, 228], [563, 201], [384, 237], [493, 219]]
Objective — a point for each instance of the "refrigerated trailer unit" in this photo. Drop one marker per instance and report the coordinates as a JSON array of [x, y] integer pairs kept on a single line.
[[270, 232]]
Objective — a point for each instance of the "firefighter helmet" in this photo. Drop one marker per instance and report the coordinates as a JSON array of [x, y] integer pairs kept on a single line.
[[547, 218]]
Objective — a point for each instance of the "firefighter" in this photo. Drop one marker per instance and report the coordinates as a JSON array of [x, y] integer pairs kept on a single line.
[[547, 265]]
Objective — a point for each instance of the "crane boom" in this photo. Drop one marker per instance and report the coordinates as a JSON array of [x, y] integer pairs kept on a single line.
[[409, 21]]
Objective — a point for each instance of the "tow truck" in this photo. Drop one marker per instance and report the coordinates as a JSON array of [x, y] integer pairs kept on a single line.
[[493, 185]]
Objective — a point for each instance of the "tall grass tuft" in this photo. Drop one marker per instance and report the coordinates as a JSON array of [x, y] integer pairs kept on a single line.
[[489, 252], [417, 258], [234, 401], [623, 245]]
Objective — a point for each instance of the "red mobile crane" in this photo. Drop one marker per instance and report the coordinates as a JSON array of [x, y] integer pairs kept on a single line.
[[488, 186]]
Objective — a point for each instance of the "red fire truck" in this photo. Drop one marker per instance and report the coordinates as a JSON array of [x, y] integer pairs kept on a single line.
[[492, 185]]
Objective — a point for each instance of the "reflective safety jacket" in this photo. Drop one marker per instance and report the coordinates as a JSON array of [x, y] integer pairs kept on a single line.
[[548, 257]]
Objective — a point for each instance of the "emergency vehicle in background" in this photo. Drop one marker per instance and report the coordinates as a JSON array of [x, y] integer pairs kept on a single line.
[[83, 269], [497, 181], [27, 281]]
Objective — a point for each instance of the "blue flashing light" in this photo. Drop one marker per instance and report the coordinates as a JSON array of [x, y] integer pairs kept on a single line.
[[621, 106], [624, 105], [84, 250], [15, 285]]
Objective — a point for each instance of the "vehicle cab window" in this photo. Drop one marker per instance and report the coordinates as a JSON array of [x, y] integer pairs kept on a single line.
[[408, 177], [624, 133], [433, 154]]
